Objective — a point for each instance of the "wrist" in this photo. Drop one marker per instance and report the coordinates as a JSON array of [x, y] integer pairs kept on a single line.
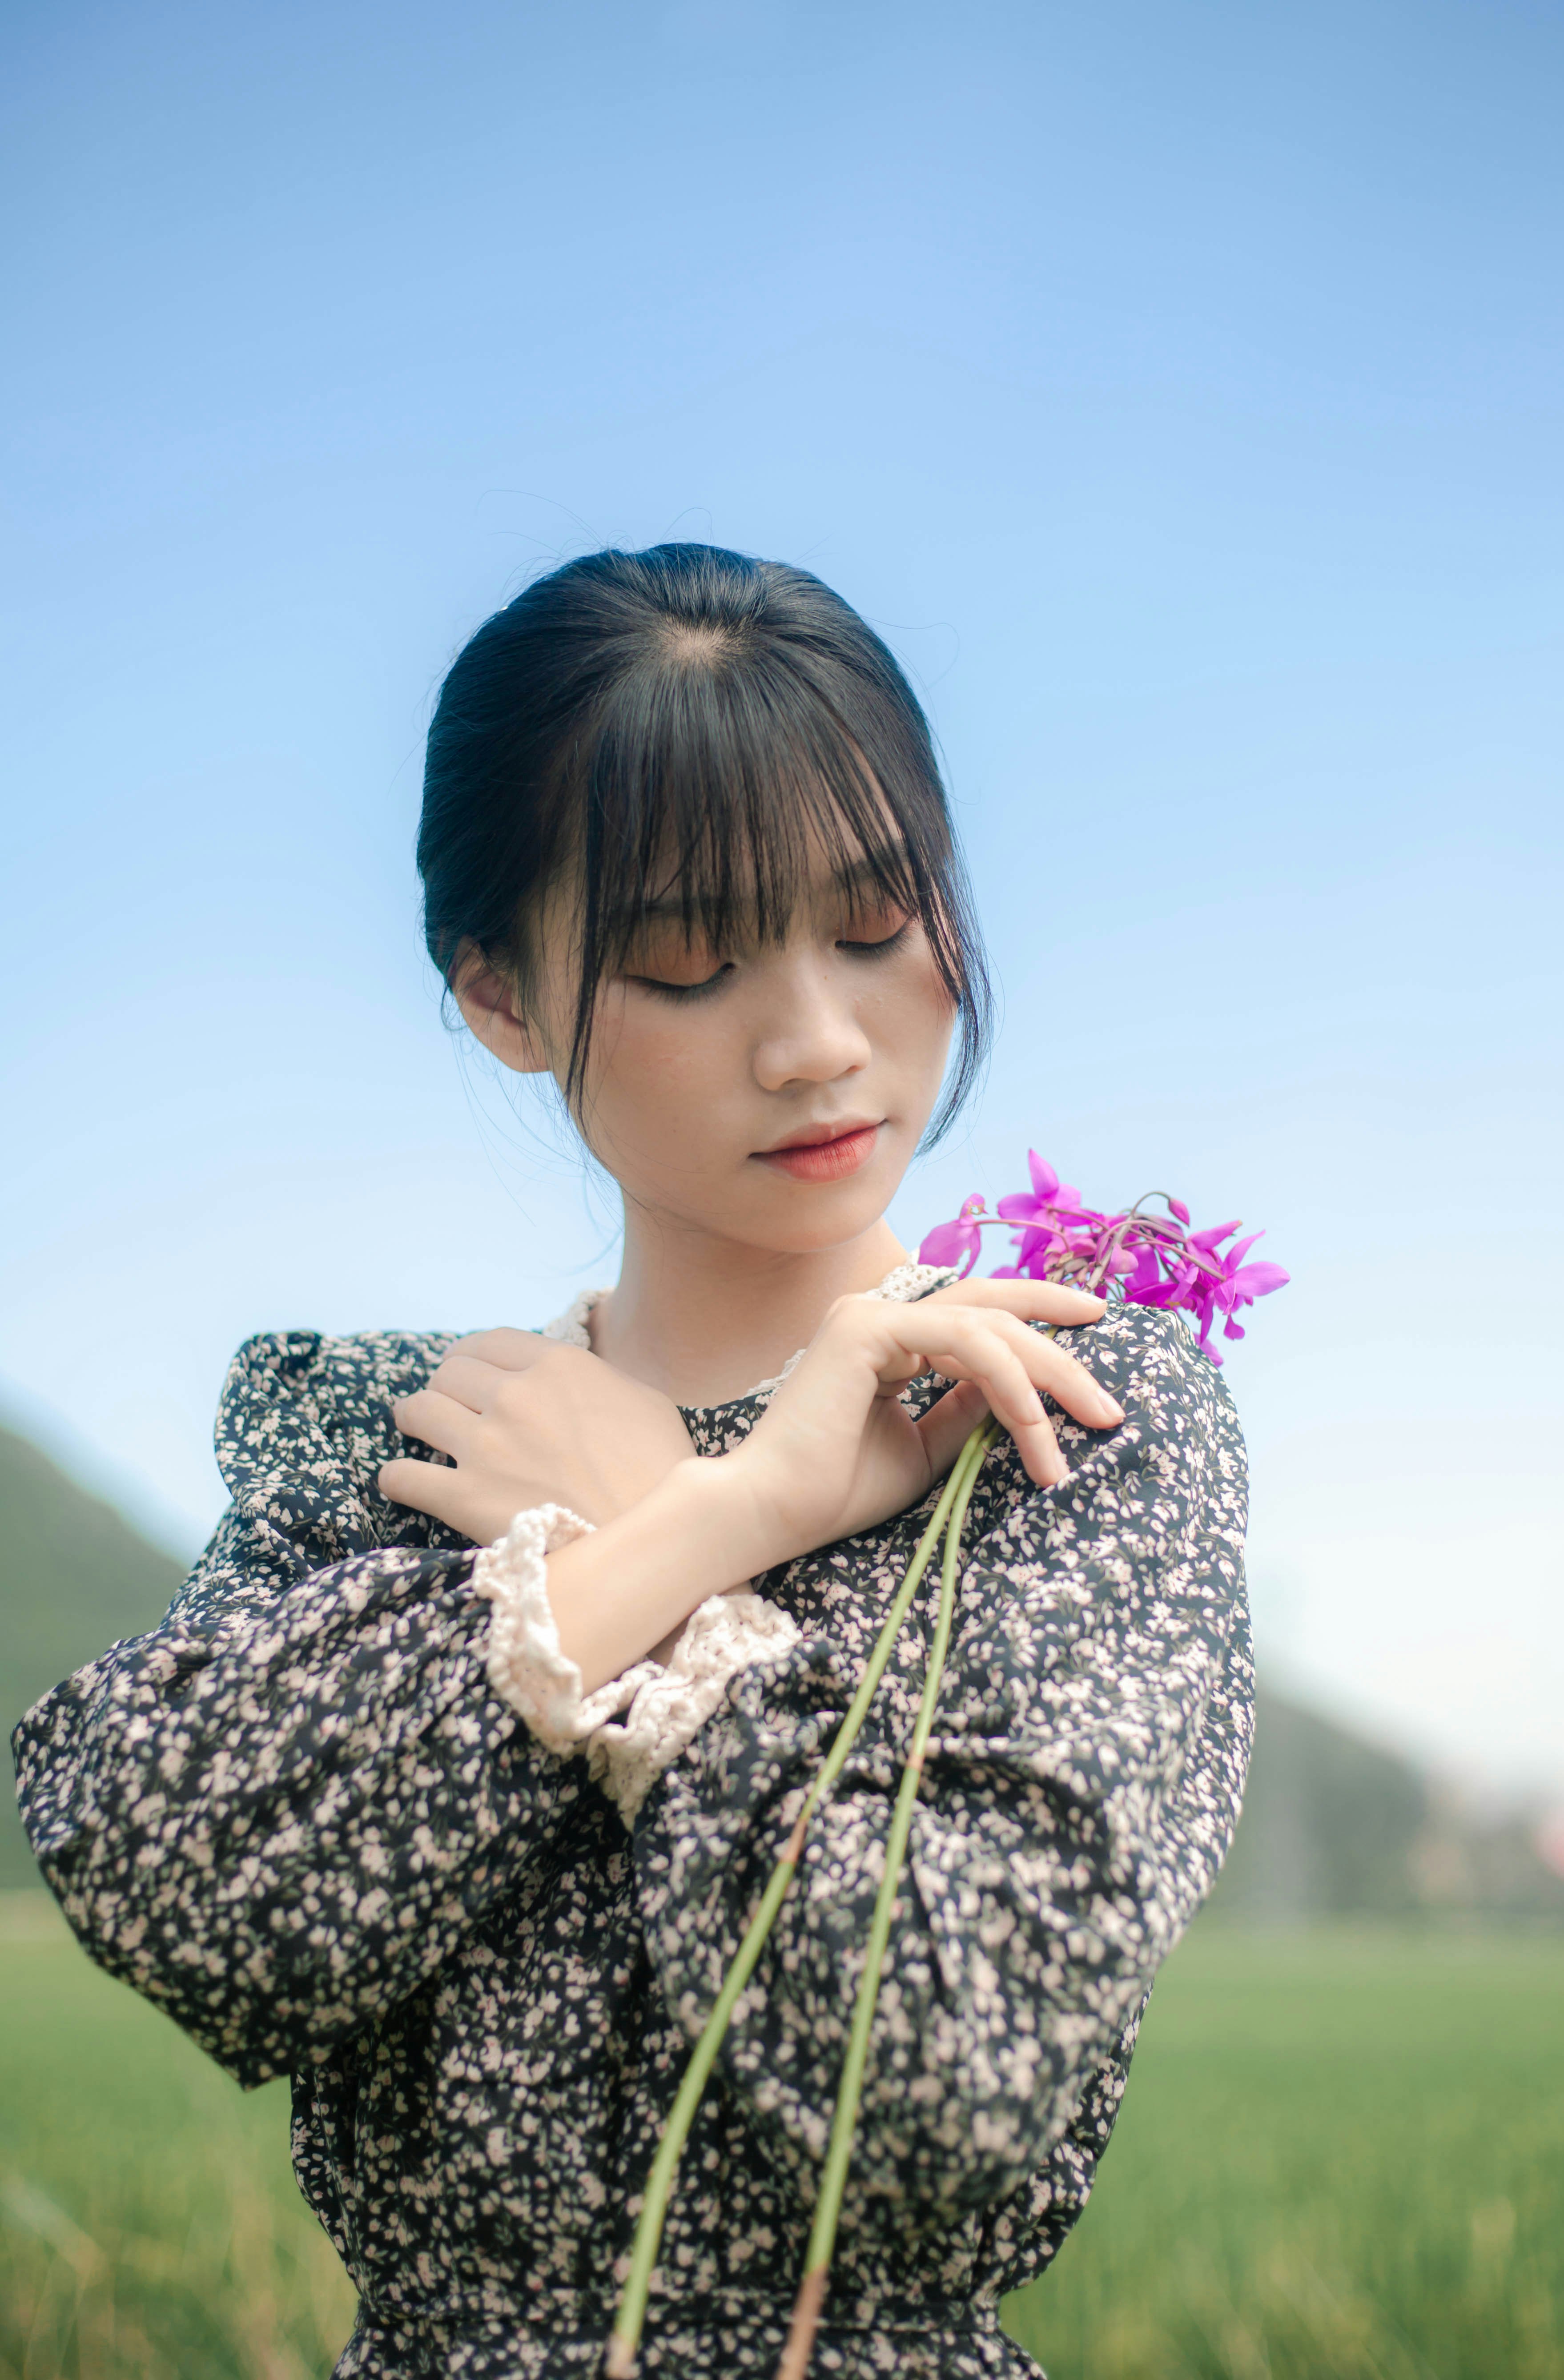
[[725, 1520], [619, 1591]]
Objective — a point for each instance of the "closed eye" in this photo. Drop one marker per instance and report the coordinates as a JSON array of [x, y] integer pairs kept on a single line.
[[881, 949], [682, 990]]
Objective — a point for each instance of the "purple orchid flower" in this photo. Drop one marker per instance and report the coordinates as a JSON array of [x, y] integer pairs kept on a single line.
[[1048, 1204], [1144, 1258], [947, 1243], [1047, 1211], [1239, 1285]]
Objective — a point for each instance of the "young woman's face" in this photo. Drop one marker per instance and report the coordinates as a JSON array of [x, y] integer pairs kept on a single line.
[[767, 1094]]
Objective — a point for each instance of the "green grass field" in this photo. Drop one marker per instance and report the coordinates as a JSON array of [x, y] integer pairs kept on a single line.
[[1341, 2158]]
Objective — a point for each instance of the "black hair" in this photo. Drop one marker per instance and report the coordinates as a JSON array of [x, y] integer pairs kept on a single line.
[[681, 724]]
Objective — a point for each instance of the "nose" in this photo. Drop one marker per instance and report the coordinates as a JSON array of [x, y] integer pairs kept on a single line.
[[811, 1032]]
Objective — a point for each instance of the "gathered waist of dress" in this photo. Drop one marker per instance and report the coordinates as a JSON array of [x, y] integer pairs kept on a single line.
[[734, 2335]]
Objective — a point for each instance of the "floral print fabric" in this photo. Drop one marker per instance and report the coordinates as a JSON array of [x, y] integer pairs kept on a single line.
[[298, 1818], [630, 1728]]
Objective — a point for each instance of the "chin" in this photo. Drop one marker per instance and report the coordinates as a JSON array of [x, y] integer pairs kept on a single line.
[[807, 1219]]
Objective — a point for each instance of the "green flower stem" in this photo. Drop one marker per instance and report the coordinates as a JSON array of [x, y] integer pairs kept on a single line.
[[625, 2337], [833, 2179]]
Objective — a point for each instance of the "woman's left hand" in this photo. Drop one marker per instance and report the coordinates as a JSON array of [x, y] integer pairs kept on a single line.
[[527, 1421]]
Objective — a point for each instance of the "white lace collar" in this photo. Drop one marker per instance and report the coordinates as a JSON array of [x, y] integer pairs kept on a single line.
[[904, 1283]]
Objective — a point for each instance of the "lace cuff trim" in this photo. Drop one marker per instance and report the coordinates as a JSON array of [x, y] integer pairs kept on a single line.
[[663, 1709]]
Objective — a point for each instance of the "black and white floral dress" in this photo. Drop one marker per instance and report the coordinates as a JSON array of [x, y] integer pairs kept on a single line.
[[307, 1817]]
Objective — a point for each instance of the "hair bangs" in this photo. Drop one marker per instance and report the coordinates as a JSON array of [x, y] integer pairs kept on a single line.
[[718, 789], [692, 733]]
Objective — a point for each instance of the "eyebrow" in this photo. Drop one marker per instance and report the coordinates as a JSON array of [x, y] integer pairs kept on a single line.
[[875, 869]]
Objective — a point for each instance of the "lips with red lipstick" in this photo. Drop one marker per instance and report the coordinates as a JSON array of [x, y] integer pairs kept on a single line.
[[824, 1152]]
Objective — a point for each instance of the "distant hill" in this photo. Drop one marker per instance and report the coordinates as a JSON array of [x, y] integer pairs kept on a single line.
[[74, 1576], [1332, 1826], [1336, 1827]]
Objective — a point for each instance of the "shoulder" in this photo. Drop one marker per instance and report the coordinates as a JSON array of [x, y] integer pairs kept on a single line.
[[1178, 1455], [1150, 1360], [303, 1367], [289, 1391], [325, 1379], [1152, 1513]]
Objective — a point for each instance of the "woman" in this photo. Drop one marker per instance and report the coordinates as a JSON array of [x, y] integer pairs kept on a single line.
[[451, 1778]]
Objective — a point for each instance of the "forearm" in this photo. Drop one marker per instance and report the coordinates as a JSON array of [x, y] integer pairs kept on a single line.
[[617, 1593], [276, 1827]]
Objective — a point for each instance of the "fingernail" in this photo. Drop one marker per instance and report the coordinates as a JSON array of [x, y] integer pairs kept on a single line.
[[1111, 1406]]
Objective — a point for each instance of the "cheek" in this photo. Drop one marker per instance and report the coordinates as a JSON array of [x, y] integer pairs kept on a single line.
[[909, 1013], [656, 1071], [670, 1056]]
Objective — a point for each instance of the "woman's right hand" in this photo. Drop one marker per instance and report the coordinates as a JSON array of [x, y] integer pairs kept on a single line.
[[525, 1421], [838, 1451]]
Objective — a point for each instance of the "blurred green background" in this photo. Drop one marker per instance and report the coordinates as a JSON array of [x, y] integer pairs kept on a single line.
[[1341, 2157]]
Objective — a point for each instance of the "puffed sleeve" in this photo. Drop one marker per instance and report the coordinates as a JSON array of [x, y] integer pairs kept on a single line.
[[279, 1812], [1080, 1793]]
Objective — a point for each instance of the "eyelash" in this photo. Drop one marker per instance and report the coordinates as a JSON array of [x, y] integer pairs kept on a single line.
[[883, 948], [687, 991], [682, 992]]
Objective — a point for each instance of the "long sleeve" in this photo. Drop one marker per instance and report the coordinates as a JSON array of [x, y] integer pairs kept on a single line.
[[1080, 1793], [280, 1811]]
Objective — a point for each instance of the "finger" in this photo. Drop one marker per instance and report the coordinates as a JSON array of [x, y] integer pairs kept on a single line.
[[1040, 1453], [510, 1351], [949, 1423], [431, 1488], [1032, 1301], [979, 1349], [1029, 1300], [1050, 1367], [467, 1382], [1015, 1402], [437, 1419], [958, 1340]]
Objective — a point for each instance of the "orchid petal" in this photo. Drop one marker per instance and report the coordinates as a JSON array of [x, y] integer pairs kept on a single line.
[[1045, 1181], [949, 1242], [1144, 1275], [1259, 1279]]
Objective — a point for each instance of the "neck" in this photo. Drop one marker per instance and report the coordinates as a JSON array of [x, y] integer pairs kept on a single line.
[[703, 1319]]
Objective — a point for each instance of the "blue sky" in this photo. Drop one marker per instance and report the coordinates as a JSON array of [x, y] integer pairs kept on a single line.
[[1177, 389]]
